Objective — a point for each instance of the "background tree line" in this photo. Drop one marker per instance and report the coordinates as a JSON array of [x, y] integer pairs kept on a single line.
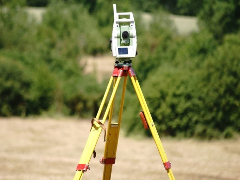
[[191, 83]]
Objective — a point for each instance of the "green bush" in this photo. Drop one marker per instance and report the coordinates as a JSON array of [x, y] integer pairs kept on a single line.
[[220, 17], [153, 42], [14, 87], [199, 97], [24, 90], [42, 91], [191, 83], [221, 88], [188, 7], [38, 3], [17, 28], [71, 34], [48, 55]]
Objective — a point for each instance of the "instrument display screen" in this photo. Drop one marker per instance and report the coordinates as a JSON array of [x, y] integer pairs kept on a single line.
[[122, 50]]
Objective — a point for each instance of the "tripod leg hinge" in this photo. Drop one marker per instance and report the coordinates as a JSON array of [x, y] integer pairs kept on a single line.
[[167, 165], [131, 72], [120, 71], [83, 167], [107, 160]]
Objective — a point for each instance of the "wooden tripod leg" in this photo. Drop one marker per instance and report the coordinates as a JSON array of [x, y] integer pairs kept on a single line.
[[152, 127], [95, 133], [112, 139]]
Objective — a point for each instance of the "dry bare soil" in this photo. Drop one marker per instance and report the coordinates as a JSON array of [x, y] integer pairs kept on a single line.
[[41, 148]]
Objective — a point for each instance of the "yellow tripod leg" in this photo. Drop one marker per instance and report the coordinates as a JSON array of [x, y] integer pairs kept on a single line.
[[104, 98], [152, 126], [96, 130], [111, 108], [112, 140]]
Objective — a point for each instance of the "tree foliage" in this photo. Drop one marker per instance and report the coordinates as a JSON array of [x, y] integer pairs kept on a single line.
[[196, 92], [221, 17], [191, 83], [188, 7], [42, 60]]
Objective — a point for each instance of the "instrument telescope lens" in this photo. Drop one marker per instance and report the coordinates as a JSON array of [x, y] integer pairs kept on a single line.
[[125, 34]]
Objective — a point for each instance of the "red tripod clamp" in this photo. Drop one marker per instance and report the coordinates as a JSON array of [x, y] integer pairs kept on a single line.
[[144, 121], [107, 160], [167, 165], [83, 167]]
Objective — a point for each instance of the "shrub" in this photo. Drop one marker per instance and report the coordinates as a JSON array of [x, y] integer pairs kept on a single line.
[[221, 88], [153, 43], [200, 96], [25, 89], [14, 87], [73, 36], [17, 28], [48, 55], [188, 7], [220, 17]]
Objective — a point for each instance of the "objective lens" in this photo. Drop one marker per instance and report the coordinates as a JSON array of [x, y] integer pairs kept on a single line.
[[125, 34]]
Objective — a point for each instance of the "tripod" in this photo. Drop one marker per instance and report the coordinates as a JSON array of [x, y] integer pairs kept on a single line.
[[113, 128]]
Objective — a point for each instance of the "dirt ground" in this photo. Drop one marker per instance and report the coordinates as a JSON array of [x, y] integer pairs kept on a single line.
[[43, 149]]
